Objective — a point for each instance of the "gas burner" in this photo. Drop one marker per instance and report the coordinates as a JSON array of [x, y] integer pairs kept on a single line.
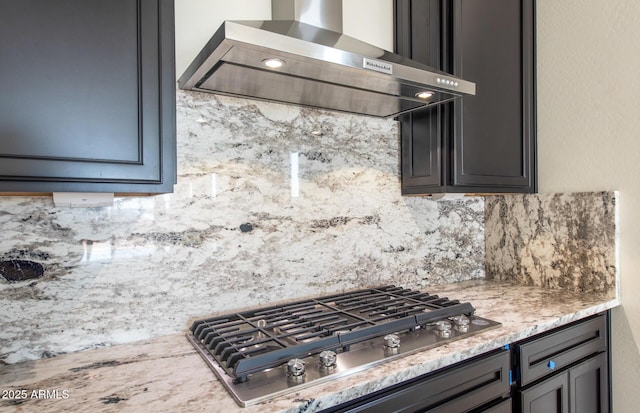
[[271, 351]]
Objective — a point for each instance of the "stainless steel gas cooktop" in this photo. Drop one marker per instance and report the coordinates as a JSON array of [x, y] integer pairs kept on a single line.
[[264, 353]]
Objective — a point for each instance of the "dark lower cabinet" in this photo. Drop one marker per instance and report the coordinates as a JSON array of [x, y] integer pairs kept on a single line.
[[478, 385], [565, 371], [581, 389], [589, 386], [550, 396], [88, 96], [483, 143]]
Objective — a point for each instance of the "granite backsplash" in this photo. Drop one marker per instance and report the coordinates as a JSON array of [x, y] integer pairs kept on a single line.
[[565, 241], [273, 202]]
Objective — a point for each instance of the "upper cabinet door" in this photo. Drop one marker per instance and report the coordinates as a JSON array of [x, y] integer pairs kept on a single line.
[[418, 36], [483, 143], [88, 96], [494, 131]]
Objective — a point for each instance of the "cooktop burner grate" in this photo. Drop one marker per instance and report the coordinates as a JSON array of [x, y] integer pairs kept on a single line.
[[252, 341]]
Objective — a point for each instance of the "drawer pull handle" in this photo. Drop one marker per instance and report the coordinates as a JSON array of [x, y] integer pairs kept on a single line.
[[551, 364]]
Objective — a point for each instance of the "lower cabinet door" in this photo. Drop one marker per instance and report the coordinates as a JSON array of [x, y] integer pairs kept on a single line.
[[589, 386], [550, 396]]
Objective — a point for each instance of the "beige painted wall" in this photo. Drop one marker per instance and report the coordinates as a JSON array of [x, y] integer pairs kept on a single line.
[[588, 61]]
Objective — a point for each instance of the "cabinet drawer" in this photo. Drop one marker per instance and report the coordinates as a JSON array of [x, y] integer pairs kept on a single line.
[[553, 351], [473, 385], [460, 389]]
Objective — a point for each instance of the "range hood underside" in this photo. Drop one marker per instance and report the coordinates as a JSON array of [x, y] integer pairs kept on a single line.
[[265, 85], [314, 75]]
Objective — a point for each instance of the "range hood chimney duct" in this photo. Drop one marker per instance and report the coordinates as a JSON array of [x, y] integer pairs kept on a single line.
[[302, 57], [326, 14]]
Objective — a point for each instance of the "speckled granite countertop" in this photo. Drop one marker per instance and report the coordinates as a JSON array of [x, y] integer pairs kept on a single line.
[[167, 375]]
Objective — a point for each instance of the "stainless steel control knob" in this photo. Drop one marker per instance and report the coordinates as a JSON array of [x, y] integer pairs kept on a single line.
[[443, 328], [443, 325], [328, 359], [295, 368], [462, 323], [391, 341]]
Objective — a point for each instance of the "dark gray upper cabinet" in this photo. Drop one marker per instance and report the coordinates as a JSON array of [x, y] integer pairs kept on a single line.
[[88, 96], [419, 29], [483, 143]]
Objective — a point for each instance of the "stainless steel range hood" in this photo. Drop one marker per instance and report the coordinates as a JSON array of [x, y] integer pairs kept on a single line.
[[302, 57]]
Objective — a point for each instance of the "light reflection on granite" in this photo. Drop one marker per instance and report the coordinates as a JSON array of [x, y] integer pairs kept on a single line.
[[234, 233], [565, 241], [167, 375]]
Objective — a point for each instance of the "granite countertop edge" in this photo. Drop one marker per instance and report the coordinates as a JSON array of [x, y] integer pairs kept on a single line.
[[166, 374]]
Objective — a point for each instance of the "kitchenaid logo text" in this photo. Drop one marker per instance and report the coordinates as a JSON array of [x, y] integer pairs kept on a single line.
[[378, 66]]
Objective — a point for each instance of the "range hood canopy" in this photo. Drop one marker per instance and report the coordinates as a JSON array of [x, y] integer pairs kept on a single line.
[[302, 57]]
